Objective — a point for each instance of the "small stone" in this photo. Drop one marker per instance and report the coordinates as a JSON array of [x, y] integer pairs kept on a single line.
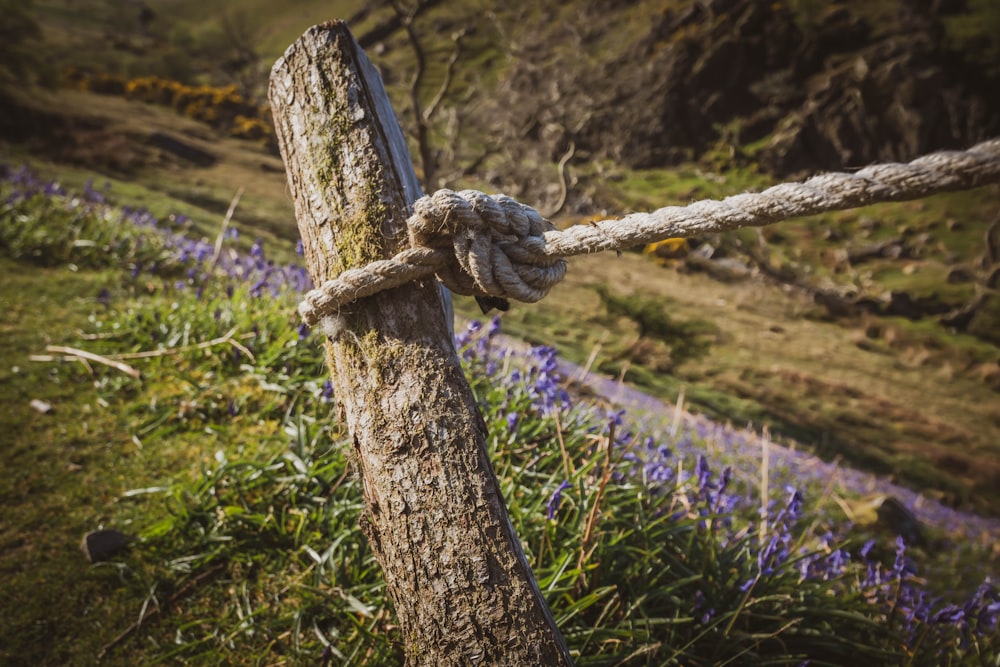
[[41, 406], [833, 234], [960, 274], [897, 518], [102, 545], [867, 224]]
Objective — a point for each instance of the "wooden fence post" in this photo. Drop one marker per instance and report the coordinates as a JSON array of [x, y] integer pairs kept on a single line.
[[462, 588]]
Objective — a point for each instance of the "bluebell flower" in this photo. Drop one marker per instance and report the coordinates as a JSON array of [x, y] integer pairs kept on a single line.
[[555, 500], [52, 188], [91, 195], [512, 420], [494, 327], [257, 249], [902, 566], [203, 251], [327, 392], [703, 474]]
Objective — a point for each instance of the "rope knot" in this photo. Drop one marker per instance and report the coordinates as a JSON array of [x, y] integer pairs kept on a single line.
[[497, 243], [477, 244]]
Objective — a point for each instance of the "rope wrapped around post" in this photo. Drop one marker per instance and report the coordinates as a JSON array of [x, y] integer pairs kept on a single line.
[[479, 245]]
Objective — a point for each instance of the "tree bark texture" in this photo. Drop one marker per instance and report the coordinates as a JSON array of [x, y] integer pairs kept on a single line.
[[455, 571]]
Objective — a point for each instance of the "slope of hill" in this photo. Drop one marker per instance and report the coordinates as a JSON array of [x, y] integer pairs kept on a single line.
[[869, 336], [176, 401]]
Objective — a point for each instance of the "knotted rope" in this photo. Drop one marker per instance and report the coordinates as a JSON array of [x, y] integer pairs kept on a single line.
[[480, 245]]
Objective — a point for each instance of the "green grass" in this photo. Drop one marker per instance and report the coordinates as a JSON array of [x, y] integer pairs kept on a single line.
[[247, 523], [165, 184], [111, 442], [649, 189], [64, 473], [760, 328], [227, 464]]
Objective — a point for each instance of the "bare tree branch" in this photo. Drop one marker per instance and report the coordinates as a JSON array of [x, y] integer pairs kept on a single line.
[[427, 165], [563, 185], [448, 74]]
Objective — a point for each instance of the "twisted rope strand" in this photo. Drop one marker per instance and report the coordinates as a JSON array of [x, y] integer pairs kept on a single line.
[[494, 246]]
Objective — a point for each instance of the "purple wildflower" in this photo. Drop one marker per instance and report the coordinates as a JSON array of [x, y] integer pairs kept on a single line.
[[494, 327], [555, 500], [327, 392], [512, 419]]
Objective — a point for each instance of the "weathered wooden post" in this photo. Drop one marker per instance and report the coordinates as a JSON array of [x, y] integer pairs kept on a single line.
[[462, 588]]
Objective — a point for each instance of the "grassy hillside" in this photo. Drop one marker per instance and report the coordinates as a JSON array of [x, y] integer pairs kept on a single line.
[[851, 336], [905, 396], [201, 427]]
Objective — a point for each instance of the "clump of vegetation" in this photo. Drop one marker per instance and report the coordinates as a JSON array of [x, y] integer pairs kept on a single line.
[[649, 549], [689, 340], [975, 33], [668, 250], [221, 107], [18, 31], [44, 224], [808, 13]]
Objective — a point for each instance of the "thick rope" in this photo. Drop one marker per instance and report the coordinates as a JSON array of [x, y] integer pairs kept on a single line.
[[494, 246]]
